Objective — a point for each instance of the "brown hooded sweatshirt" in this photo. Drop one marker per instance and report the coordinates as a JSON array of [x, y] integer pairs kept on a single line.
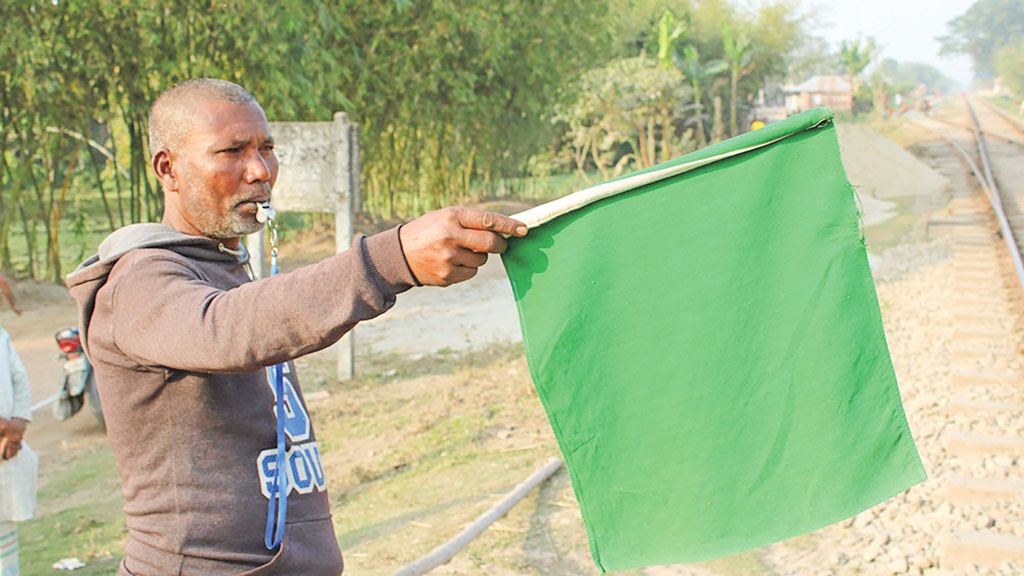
[[180, 338]]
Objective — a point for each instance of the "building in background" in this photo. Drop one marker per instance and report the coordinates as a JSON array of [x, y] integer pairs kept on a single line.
[[834, 92]]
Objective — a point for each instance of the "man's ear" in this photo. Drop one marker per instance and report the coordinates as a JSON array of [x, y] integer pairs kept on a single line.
[[163, 165]]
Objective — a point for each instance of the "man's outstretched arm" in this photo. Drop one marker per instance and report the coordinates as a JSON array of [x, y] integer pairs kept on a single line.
[[165, 314]]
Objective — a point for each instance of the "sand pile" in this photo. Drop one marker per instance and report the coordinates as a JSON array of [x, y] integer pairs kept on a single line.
[[881, 169]]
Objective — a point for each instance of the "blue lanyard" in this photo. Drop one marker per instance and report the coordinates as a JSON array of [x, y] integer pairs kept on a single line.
[[272, 538]]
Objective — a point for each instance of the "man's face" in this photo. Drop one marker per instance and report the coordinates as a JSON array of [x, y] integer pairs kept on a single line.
[[224, 166]]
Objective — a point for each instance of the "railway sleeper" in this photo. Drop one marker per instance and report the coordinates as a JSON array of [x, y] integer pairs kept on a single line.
[[967, 353], [981, 289], [989, 283], [979, 269], [963, 207], [981, 333], [988, 262], [1004, 309], [960, 222], [995, 296], [978, 277], [960, 260], [968, 316], [973, 264], [972, 240], [970, 406], [971, 378], [966, 490], [971, 250], [998, 322], [975, 243], [987, 549], [960, 283], [973, 254], [987, 288], [973, 299], [969, 444]]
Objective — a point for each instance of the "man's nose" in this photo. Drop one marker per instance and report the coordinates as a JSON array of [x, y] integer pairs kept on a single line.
[[257, 169]]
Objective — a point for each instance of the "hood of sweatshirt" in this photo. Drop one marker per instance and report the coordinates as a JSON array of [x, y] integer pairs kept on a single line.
[[92, 274]]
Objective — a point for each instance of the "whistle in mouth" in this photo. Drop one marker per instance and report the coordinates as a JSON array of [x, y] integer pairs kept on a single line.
[[264, 213]]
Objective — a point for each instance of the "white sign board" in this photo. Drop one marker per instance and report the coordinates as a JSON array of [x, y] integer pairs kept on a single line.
[[319, 172]]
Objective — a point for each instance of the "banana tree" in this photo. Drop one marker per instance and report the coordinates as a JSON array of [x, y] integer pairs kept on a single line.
[[856, 58], [669, 32], [739, 51], [699, 75]]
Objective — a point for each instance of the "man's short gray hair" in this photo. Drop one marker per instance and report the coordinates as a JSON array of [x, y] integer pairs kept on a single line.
[[170, 116]]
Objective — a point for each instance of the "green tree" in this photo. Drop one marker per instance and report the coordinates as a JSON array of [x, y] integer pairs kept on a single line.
[[738, 51], [777, 28], [700, 74], [856, 56], [632, 102], [448, 94], [1010, 65], [907, 76], [814, 58], [987, 26], [453, 98], [669, 32]]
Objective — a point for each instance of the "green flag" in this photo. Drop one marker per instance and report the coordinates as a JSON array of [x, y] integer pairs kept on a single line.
[[710, 353]]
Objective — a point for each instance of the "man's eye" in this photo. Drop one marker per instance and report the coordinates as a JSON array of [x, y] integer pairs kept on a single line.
[[232, 150]]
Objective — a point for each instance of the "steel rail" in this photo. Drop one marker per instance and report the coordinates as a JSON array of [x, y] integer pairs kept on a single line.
[[971, 164], [968, 129], [1011, 120], [996, 197]]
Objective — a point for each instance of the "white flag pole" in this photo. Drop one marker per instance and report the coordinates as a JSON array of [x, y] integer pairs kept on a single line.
[[547, 212]]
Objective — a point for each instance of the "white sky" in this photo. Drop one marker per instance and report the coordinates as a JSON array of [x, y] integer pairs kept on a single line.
[[905, 29]]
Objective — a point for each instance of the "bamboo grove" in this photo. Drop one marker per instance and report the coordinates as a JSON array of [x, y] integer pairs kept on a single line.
[[456, 99]]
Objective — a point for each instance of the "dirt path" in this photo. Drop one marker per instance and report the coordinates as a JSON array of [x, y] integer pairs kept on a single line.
[[47, 310], [470, 315]]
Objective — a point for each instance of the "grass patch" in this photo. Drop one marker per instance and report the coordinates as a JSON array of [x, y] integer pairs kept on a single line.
[[413, 451], [1006, 104], [79, 515]]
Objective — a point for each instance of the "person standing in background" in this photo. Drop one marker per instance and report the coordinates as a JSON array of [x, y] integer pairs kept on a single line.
[[5, 289], [18, 463]]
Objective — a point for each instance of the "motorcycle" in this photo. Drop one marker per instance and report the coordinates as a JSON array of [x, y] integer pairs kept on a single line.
[[78, 382]]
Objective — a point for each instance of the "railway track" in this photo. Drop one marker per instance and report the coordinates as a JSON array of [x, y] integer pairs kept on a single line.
[[985, 484], [990, 135]]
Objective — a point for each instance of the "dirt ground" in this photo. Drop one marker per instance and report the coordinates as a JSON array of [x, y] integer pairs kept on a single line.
[[47, 309], [441, 421]]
